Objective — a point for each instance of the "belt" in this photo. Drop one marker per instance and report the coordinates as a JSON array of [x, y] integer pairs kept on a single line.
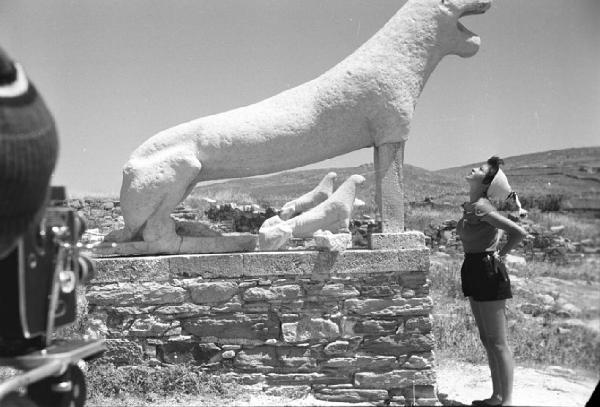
[[478, 255]]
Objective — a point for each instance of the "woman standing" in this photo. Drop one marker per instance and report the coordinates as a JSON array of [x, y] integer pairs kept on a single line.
[[483, 274]]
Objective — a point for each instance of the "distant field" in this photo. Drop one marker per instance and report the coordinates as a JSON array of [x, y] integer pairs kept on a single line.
[[568, 178]]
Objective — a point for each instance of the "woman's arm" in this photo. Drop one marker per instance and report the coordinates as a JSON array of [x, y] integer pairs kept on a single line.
[[515, 232]]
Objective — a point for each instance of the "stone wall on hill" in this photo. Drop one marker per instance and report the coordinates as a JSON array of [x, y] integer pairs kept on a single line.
[[355, 326]]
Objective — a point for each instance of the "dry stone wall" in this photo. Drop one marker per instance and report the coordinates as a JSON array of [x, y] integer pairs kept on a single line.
[[355, 326]]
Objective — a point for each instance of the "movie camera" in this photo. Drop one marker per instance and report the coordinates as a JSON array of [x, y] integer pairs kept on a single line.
[[38, 295]]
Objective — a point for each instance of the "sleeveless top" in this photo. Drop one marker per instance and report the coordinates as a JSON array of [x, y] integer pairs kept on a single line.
[[476, 234]]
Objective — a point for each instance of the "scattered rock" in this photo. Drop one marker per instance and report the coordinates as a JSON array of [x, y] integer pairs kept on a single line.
[[335, 242], [515, 261], [568, 311]]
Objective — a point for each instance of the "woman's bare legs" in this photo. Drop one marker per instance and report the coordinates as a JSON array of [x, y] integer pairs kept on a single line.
[[496, 397], [490, 317]]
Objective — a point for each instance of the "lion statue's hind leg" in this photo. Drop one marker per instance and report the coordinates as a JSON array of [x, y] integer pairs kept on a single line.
[[147, 202]]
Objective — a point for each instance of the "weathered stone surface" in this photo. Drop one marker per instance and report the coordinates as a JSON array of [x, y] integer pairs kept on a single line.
[[376, 261], [305, 364], [185, 310], [350, 395], [258, 294], [261, 359], [394, 379], [420, 391], [238, 326], [297, 359], [399, 345], [347, 327], [130, 311], [227, 243], [210, 292], [335, 242], [131, 269], [287, 292], [398, 401], [247, 379], [389, 307], [338, 290], [337, 348], [135, 294], [388, 160], [231, 306], [309, 329], [122, 352], [96, 326], [280, 263], [362, 362], [307, 307], [427, 402], [348, 262], [374, 327], [419, 361], [408, 293], [274, 293], [421, 324], [405, 240], [414, 280], [295, 378], [379, 290], [256, 307], [150, 326], [231, 347], [207, 265]]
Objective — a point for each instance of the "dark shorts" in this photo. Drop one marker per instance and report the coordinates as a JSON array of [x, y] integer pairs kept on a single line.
[[481, 280]]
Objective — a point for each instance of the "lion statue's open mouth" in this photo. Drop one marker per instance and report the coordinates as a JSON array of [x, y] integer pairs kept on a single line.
[[478, 8]]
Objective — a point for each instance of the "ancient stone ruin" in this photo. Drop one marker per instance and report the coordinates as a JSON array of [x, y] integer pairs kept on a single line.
[[355, 325]]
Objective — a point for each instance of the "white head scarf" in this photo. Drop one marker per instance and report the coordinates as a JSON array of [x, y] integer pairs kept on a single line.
[[500, 190]]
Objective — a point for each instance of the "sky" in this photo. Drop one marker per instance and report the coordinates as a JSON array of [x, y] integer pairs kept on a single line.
[[116, 72]]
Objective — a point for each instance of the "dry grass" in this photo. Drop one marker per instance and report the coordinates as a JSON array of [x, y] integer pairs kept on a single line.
[[534, 341], [148, 383], [584, 271], [577, 227]]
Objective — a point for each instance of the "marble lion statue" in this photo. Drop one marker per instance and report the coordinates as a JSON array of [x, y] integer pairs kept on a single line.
[[368, 99]]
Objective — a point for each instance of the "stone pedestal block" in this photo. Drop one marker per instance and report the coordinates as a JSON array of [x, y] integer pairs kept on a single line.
[[396, 241]]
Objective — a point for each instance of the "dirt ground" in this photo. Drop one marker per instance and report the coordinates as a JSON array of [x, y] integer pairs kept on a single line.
[[553, 386], [462, 382]]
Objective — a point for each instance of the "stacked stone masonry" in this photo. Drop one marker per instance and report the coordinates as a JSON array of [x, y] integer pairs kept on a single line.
[[355, 326]]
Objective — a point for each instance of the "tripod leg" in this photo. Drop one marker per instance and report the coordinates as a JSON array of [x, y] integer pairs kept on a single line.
[[68, 389]]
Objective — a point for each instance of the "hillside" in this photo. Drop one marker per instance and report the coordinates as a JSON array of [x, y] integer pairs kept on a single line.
[[277, 189], [572, 173]]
